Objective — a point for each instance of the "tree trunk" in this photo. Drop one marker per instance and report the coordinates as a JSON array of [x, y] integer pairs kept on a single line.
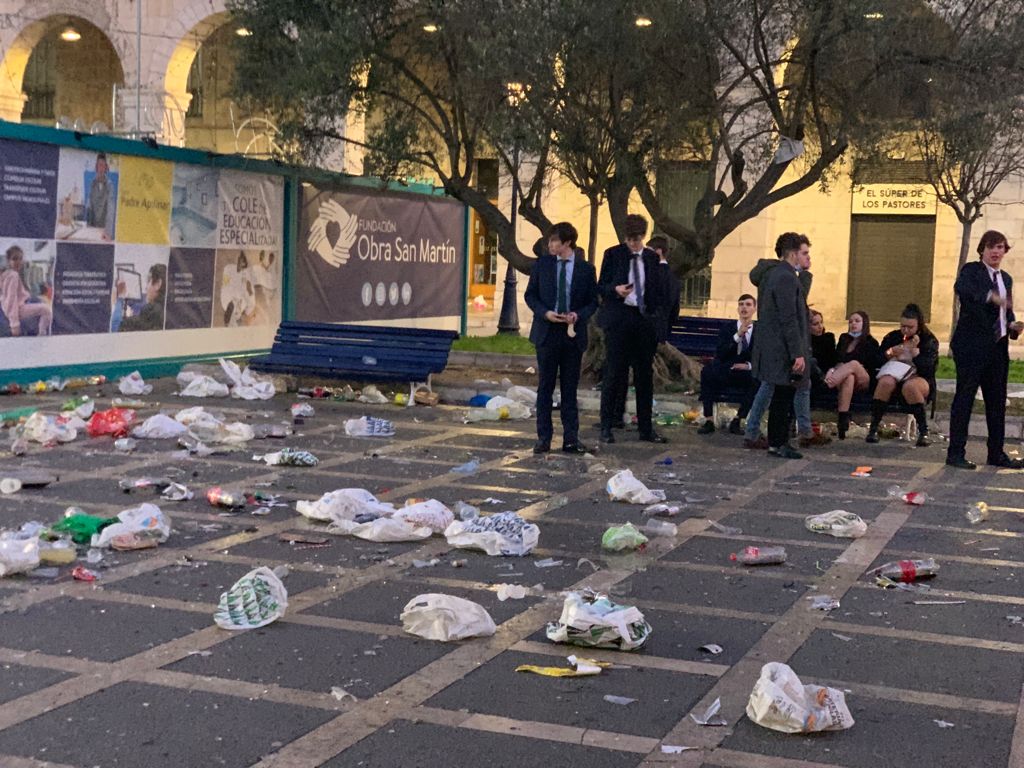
[[595, 207], [965, 248]]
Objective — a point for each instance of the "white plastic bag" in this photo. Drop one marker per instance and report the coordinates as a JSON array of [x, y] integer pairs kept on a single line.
[[384, 529], [592, 619], [431, 514], [246, 385], [838, 523], [524, 395], [781, 702], [146, 520], [255, 600], [515, 409], [369, 426], [133, 384], [504, 534], [159, 427], [45, 429], [344, 504], [623, 486], [444, 618], [18, 553], [372, 395], [204, 386]]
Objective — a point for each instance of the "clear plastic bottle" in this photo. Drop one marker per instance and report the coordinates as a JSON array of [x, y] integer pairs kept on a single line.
[[656, 527], [907, 570], [760, 556], [218, 497], [977, 512]]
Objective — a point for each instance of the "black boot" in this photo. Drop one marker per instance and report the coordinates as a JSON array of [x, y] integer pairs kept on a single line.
[[922, 425], [877, 412], [844, 424]]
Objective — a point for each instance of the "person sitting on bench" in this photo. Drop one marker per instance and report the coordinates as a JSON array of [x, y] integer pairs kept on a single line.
[[731, 367]]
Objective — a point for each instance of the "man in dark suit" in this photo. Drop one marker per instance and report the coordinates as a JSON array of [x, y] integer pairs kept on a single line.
[[731, 367], [634, 304], [562, 293], [980, 346]]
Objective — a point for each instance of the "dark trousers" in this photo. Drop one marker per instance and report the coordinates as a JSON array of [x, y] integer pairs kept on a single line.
[[619, 411], [558, 358], [630, 342], [716, 377], [991, 377], [779, 414]]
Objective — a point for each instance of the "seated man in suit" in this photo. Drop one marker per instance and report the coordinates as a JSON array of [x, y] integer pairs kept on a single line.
[[562, 293], [731, 367]]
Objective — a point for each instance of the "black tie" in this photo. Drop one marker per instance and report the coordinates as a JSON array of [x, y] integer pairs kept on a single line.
[[638, 283], [563, 299], [999, 313]]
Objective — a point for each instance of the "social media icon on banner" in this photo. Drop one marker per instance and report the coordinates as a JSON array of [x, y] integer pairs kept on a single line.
[[393, 294], [333, 233], [406, 293], [367, 294]]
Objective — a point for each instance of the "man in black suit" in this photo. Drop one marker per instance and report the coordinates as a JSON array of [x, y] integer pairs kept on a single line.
[[980, 346], [731, 367], [562, 293], [634, 304]]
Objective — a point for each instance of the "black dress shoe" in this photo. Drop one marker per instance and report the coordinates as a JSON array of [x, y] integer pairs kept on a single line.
[[785, 451], [706, 428], [607, 436], [960, 462], [1006, 462], [922, 440], [653, 437], [542, 446], [576, 448], [735, 428]]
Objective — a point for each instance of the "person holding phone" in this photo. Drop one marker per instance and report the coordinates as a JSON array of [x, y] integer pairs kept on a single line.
[[980, 347], [562, 293]]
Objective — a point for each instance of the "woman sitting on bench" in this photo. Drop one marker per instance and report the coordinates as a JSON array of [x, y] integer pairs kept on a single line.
[[911, 354], [857, 360]]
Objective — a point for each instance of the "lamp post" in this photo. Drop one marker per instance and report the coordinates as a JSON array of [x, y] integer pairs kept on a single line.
[[508, 320]]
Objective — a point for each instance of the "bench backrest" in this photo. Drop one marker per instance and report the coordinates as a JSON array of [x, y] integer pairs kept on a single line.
[[698, 336]]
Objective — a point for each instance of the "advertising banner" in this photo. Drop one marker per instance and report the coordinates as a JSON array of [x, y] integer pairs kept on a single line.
[[376, 258]]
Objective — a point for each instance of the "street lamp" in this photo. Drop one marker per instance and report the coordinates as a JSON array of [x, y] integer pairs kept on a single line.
[[508, 319]]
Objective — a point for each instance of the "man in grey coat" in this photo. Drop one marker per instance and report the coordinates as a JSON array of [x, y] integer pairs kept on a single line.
[[781, 354]]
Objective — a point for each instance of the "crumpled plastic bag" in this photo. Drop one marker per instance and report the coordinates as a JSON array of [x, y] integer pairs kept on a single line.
[[623, 486], [504, 534], [515, 409], [524, 395], [838, 523], [207, 428], [246, 385], [203, 386], [385, 529], [133, 384], [593, 620], [344, 504], [159, 427], [146, 521], [19, 552], [46, 429], [372, 395], [255, 600], [781, 702], [369, 426], [430, 513], [620, 537], [444, 617], [116, 422], [288, 457]]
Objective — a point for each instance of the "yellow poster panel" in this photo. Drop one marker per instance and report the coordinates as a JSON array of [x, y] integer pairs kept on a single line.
[[144, 201]]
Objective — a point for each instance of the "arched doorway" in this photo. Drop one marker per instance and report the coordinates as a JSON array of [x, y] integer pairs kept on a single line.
[[70, 76]]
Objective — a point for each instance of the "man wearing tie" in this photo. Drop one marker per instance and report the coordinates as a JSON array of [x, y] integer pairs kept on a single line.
[[562, 293], [634, 302], [980, 347], [731, 367]]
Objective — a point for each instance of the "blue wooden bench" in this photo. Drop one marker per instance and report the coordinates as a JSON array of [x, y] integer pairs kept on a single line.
[[698, 337], [358, 352]]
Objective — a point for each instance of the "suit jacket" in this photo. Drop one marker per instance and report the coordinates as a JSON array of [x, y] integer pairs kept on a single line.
[[674, 286], [727, 350], [782, 324], [974, 339], [542, 296], [615, 271]]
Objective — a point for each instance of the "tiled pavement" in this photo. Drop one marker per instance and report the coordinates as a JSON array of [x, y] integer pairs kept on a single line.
[[133, 672]]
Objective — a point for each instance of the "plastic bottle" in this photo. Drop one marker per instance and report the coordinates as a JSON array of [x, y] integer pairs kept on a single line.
[[760, 556], [657, 527], [155, 483], [977, 512], [466, 469], [914, 498], [661, 509], [466, 511], [907, 570], [218, 497]]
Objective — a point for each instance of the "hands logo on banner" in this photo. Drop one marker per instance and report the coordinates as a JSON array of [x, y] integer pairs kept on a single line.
[[333, 233]]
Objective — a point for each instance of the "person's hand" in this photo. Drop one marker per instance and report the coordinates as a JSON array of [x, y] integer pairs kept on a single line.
[[624, 290], [799, 364], [995, 298], [1017, 327], [744, 327], [553, 317], [741, 366], [571, 318]]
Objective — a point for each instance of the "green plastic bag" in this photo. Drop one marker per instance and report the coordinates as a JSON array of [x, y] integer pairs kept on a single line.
[[620, 537], [82, 526], [255, 600]]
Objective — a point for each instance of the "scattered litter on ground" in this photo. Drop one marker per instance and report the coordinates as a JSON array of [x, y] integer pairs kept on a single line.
[[587, 561], [578, 667], [341, 694], [844, 638], [862, 472], [444, 617], [623, 486], [674, 749], [977, 512], [905, 570], [622, 701], [255, 600], [133, 384], [662, 510], [781, 702], [823, 603], [469, 468], [660, 528], [838, 523], [710, 716], [760, 556], [288, 457], [728, 530], [369, 426], [940, 602], [247, 385], [713, 648], [622, 537], [944, 724], [592, 619], [502, 534]]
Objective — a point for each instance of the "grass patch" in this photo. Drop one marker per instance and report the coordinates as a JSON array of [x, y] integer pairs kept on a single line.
[[947, 370], [501, 344]]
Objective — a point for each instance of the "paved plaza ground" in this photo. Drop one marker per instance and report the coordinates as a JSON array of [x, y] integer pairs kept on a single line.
[[132, 671]]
